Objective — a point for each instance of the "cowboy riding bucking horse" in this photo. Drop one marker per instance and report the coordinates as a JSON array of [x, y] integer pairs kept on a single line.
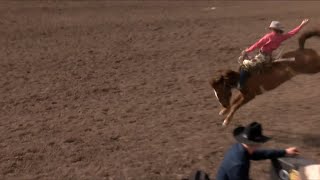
[[263, 72], [267, 44]]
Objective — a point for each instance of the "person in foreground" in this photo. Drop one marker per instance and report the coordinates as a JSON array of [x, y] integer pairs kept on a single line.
[[236, 163]]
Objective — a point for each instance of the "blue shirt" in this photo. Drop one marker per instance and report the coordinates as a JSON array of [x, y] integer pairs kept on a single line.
[[236, 163]]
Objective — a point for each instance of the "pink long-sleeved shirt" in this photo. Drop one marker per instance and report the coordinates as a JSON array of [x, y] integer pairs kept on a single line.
[[272, 41]]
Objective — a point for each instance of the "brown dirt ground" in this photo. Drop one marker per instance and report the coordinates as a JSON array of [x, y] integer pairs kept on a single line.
[[119, 89]]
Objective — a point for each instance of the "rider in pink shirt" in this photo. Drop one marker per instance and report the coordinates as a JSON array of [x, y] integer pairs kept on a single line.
[[272, 40], [267, 44]]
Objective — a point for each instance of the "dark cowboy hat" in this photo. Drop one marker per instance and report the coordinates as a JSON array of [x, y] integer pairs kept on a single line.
[[251, 134]]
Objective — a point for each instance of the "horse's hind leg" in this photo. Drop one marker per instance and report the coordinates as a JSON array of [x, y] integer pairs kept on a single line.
[[224, 111], [239, 101]]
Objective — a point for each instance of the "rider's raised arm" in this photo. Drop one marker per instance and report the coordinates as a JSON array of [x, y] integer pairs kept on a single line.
[[296, 30], [292, 32], [258, 44]]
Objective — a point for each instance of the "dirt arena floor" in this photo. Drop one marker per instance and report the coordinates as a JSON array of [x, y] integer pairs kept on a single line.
[[119, 90]]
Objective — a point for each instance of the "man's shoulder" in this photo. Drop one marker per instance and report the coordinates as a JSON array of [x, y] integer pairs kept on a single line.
[[237, 148], [236, 154]]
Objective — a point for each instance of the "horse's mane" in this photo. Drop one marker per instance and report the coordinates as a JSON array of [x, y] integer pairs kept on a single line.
[[306, 35], [224, 75]]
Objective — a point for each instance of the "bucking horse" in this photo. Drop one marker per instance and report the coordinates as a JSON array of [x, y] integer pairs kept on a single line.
[[299, 61]]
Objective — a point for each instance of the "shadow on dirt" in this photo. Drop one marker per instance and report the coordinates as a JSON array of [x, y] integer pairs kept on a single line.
[[310, 140]]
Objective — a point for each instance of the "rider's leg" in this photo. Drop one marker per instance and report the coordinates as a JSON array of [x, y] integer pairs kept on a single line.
[[244, 74]]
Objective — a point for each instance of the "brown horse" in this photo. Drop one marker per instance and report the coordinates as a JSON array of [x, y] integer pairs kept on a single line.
[[306, 61]]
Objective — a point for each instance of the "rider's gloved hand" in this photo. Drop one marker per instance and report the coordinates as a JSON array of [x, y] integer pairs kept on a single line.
[[304, 22], [242, 57]]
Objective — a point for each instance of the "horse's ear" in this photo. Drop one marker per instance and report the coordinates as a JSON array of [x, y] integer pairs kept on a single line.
[[216, 80], [227, 75], [221, 78]]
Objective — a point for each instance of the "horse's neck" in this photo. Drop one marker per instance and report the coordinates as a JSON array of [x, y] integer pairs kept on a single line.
[[233, 81]]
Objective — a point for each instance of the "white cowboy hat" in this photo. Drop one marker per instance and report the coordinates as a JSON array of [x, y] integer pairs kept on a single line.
[[276, 25]]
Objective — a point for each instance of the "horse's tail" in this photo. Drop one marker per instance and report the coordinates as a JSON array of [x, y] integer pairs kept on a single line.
[[307, 35]]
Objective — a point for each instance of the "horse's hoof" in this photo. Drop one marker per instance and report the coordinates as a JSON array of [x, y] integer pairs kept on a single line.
[[225, 123]]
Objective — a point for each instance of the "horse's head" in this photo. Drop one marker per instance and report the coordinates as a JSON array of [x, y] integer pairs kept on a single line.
[[222, 85]]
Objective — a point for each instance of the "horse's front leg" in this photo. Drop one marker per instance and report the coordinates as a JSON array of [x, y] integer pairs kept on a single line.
[[239, 101], [224, 110]]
